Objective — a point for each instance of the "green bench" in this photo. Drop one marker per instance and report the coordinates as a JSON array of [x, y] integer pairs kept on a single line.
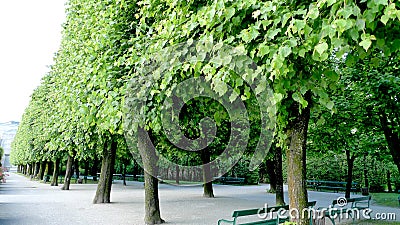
[[271, 219], [335, 186], [230, 180], [352, 208]]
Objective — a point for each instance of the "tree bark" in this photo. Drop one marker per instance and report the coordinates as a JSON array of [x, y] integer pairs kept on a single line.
[[41, 171], [68, 173], [177, 174], [30, 169], [123, 174], [279, 195], [76, 167], [103, 192], [389, 182], [207, 176], [350, 164], [86, 167], [392, 138], [56, 168], [93, 171], [150, 159], [296, 159], [36, 171], [271, 175], [46, 170]]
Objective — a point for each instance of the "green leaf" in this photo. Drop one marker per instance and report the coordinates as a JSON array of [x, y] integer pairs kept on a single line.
[[321, 48], [380, 2], [296, 97], [330, 105], [263, 50], [366, 44], [285, 51], [385, 18], [313, 13], [330, 2]]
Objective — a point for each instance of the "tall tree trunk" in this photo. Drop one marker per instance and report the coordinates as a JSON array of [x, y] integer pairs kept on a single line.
[[54, 180], [123, 174], [389, 182], [296, 159], [37, 168], [29, 169], [150, 159], [207, 176], [350, 164], [271, 175], [68, 173], [135, 168], [94, 170], [392, 138], [76, 167], [106, 175], [86, 168], [46, 170], [279, 195], [177, 174], [41, 170]]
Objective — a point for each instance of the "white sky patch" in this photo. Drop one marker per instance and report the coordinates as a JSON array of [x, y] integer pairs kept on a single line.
[[30, 34]]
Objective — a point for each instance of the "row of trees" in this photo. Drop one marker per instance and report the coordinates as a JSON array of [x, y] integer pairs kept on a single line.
[[300, 49]]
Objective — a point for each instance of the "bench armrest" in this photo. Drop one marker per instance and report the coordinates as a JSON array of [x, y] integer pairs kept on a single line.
[[362, 205], [226, 221]]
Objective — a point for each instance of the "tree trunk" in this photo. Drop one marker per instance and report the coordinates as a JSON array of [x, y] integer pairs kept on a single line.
[[36, 172], [271, 175], [207, 176], [86, 167], [54, 180], [389, 182], [106, 175], [177, 174], [41, 171], [76, 167], [93, 171], [135, 168], [46, 170], [68, 173], [123, 174], [296, 159], [150, 159], [279, 195], [30, 169], [392, 138], [350, 164]]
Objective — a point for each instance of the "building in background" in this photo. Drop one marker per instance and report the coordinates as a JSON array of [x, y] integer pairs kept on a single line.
[[7, 134]]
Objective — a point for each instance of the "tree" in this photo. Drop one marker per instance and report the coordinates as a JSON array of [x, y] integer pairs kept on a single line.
[[290, 41]]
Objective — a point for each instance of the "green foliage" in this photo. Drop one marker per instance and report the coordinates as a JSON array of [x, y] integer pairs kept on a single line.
[[1, 152], [242, 169]]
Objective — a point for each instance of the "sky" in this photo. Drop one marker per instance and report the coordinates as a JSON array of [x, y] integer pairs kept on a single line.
[[30, 34]]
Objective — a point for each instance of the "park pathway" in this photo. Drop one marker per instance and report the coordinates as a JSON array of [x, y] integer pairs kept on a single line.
[[29, 202]]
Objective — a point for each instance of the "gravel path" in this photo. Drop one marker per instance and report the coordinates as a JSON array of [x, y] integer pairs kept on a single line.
[[29, 202]]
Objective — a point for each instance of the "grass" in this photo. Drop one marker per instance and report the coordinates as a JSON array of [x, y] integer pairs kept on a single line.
[[386, 199]]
